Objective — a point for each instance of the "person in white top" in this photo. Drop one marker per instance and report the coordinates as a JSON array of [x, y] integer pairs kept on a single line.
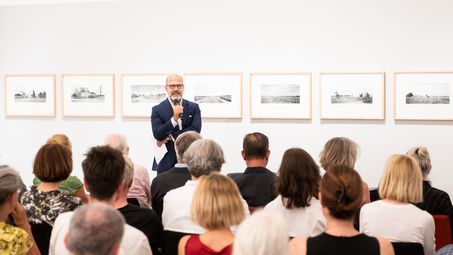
[[202, 157], [85, 224], [103, 170], [395, 217], [297, 186]]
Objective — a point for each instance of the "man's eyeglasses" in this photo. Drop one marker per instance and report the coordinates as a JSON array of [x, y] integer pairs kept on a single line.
[[176, 86]]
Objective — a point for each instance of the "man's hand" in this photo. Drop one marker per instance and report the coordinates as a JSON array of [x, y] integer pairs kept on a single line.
[[177, 112], [160, 143]]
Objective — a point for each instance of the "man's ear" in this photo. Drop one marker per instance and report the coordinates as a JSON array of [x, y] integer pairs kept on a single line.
[[86, 188], [268, 153], [243, 155]]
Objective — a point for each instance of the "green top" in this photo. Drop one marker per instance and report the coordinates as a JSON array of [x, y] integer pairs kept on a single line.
[[72, 184]]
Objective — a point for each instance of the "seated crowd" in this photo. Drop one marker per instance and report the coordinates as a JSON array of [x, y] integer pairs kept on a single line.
[[195, 209]]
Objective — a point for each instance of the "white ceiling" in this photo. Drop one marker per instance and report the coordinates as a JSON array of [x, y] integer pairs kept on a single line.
[[24, 2]]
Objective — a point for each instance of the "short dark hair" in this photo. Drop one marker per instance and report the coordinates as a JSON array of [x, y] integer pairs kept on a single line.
[[255, 145], [53, 163], [341, 191], [298, 178], [103, 170]]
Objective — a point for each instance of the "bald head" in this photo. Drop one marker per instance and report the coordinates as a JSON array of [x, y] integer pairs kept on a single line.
[[174, 86], [117, 141]]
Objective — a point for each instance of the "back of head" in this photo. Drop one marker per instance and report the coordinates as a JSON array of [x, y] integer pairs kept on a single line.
[[60, 139], [183, 142], [217, 202], [255, 145], [103, 170], [298, 178], [341, 191], [261, 234], [128, 175], [203, 157], [95, 229], [53, 163], [402, 180], [117, 141], [10, 183], [421, 155], [339, 151]]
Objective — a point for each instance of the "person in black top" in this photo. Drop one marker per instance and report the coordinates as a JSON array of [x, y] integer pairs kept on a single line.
[[341, 197], [143, 219], [175, 177], [256, 184], [435, 201]]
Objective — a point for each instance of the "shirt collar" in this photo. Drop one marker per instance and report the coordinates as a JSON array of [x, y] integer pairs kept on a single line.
[[171, 103]]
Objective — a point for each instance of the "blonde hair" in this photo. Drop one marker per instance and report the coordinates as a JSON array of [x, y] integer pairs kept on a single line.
[[61, 139], [402, 180], [339, 151], [128, 175], [217, 202], [421, 155]]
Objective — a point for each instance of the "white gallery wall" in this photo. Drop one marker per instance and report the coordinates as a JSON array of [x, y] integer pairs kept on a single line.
[[230, 36]]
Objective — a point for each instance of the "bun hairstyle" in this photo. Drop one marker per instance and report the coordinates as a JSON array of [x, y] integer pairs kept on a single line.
[[341, 191], [421, 155]]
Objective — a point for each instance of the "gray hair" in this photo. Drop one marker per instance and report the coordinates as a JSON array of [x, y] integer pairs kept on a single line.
[[95, 228], [183, 142], [10, 183], [203, 157], [117, 141], [262, 233], [421, 155], [128, 175]]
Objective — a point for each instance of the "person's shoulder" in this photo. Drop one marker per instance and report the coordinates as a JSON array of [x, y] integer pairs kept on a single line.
[[159, 105]]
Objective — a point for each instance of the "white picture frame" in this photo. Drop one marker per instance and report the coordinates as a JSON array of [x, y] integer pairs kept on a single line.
[[423, 95], [88, 95], [219, 95], [280, 96], [140, 92], [353, 95], [30, 95]]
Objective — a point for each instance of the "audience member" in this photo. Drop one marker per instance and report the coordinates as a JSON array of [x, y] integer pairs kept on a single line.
[[341, 197], [202, 157], [262, 233], [256, 184], [95, 229], [103, 170], [342, 151], [176, 176], [43, 204], [216, 206], [395, 217], [144, 219], [72, 184], [298, 185], [13, 239], [140, 188], [435, 201]]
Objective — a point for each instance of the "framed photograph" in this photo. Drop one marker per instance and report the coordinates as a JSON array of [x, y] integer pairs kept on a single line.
[[88, 95], [423, 95], [280, 95], [30, 95], [141, 92], [219, 95], [352, 95]]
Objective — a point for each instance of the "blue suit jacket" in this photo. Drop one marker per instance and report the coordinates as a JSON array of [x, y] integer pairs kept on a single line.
[[162, 127]]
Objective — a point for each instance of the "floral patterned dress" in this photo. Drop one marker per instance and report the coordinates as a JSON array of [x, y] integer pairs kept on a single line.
[[13, 240], [45, 206]]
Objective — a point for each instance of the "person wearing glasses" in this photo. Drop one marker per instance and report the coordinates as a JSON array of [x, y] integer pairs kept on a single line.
[[170, 118]]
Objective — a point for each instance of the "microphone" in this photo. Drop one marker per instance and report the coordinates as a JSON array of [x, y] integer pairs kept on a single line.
[[175, 102]]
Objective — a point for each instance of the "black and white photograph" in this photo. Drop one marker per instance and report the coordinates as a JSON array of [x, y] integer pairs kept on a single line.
[[30, 94], [352, 94], [280, 94], [147, 93], [219, 95], [428, 93], [355, 95], [87, 94]]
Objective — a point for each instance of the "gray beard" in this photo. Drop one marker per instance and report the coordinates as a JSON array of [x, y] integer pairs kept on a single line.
[[175, 97]]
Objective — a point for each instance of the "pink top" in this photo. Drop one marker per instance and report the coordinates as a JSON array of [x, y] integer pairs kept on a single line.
[[194, 246], [141, 187]]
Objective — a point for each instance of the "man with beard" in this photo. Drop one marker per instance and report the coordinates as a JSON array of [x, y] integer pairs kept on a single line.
[[172, 117]]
